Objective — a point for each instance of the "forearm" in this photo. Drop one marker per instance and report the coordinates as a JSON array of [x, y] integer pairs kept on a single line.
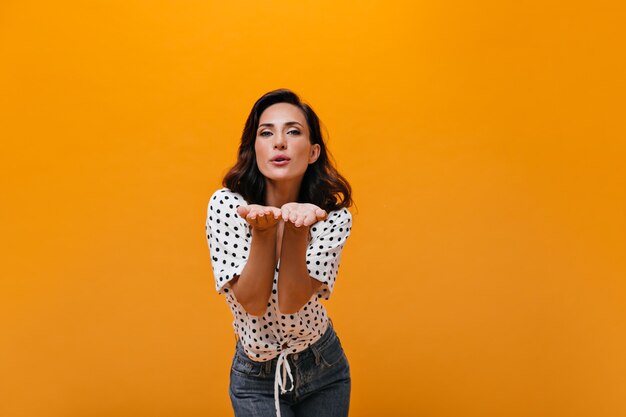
[[295, 286], [253, 287]]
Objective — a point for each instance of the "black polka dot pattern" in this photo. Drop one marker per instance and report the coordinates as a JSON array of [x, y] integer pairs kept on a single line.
[[324, 251], [229, 237]]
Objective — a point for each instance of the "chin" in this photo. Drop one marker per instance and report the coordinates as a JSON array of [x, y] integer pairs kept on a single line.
[[282, 177]]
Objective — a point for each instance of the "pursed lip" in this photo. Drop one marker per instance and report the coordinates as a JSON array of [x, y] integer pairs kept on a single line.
[[281, 158]]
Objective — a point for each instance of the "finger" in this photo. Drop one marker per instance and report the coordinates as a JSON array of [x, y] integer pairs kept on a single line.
[[302, 219], [260, 221], [270, 216], [243, 211], [276, 212], [285, 214], [299, 219], [293, 216], [274, 220], [320, 214], [307, 219], [254, 213]]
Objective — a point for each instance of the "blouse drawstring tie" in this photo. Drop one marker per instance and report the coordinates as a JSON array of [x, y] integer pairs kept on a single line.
[[281, 382]]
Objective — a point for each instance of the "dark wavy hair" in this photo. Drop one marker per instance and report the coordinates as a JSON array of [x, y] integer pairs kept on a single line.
[[322, 184]]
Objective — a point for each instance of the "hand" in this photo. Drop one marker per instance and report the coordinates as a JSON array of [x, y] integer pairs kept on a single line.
[[302, 214], [260, 217]]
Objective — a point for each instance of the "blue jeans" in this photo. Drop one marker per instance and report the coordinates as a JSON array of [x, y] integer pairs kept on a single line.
[[321, 376]]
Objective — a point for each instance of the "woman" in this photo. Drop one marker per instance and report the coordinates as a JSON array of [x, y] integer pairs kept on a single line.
[[275, 233]]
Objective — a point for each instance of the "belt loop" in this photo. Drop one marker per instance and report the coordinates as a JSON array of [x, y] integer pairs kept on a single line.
[[268, 367]]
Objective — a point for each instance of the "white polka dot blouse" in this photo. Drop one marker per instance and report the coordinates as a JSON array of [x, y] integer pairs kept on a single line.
[[273, 334]]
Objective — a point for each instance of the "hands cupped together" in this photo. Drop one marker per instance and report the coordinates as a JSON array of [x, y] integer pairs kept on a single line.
[[295, 214]]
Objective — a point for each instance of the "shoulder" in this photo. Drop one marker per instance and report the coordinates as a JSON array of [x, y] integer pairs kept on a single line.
[[337, 222], [224, 196], [222, 214], [341, 216], [223, 205]]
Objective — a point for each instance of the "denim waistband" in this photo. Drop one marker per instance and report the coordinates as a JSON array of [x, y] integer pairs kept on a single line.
[[281, 362], [280, 383]]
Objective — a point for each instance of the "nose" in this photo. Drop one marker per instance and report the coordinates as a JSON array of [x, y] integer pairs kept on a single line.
[[279, 141]]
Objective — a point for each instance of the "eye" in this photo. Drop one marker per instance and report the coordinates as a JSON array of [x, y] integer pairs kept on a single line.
[[265, 133], [294, 132]]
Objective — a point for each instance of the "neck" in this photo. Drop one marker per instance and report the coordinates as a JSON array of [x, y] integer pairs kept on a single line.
[[277, 194]]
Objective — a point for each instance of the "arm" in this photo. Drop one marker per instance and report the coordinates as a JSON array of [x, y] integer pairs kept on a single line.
[[324, 252], [252, 288], [295, 286]]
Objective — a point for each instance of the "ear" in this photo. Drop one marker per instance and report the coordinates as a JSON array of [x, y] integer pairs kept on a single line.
[[314, 153]]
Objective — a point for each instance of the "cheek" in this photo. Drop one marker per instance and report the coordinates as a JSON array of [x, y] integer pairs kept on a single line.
[[263, 153], [302, 161], [306, 152], [259, 151]]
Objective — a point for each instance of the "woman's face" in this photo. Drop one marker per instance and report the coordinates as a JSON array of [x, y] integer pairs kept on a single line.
[[282, 144]]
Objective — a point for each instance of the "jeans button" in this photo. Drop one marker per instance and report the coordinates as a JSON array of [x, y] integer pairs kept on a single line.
[[295, 356]]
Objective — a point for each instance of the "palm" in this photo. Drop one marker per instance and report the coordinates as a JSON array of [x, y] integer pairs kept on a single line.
[[260, 217], [302, 214]]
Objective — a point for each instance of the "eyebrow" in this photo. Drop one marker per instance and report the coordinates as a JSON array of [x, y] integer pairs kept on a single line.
[[272, 124]]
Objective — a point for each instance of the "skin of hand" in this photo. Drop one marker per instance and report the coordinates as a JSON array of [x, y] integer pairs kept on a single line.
[[260, 217], [252, 288], [302, 214], [295, 285]]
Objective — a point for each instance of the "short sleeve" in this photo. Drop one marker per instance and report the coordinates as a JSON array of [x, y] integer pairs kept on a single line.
[[324, 251], [228, 237]]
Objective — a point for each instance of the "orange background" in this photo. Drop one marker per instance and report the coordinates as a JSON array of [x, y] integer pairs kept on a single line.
[[485, 275]]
